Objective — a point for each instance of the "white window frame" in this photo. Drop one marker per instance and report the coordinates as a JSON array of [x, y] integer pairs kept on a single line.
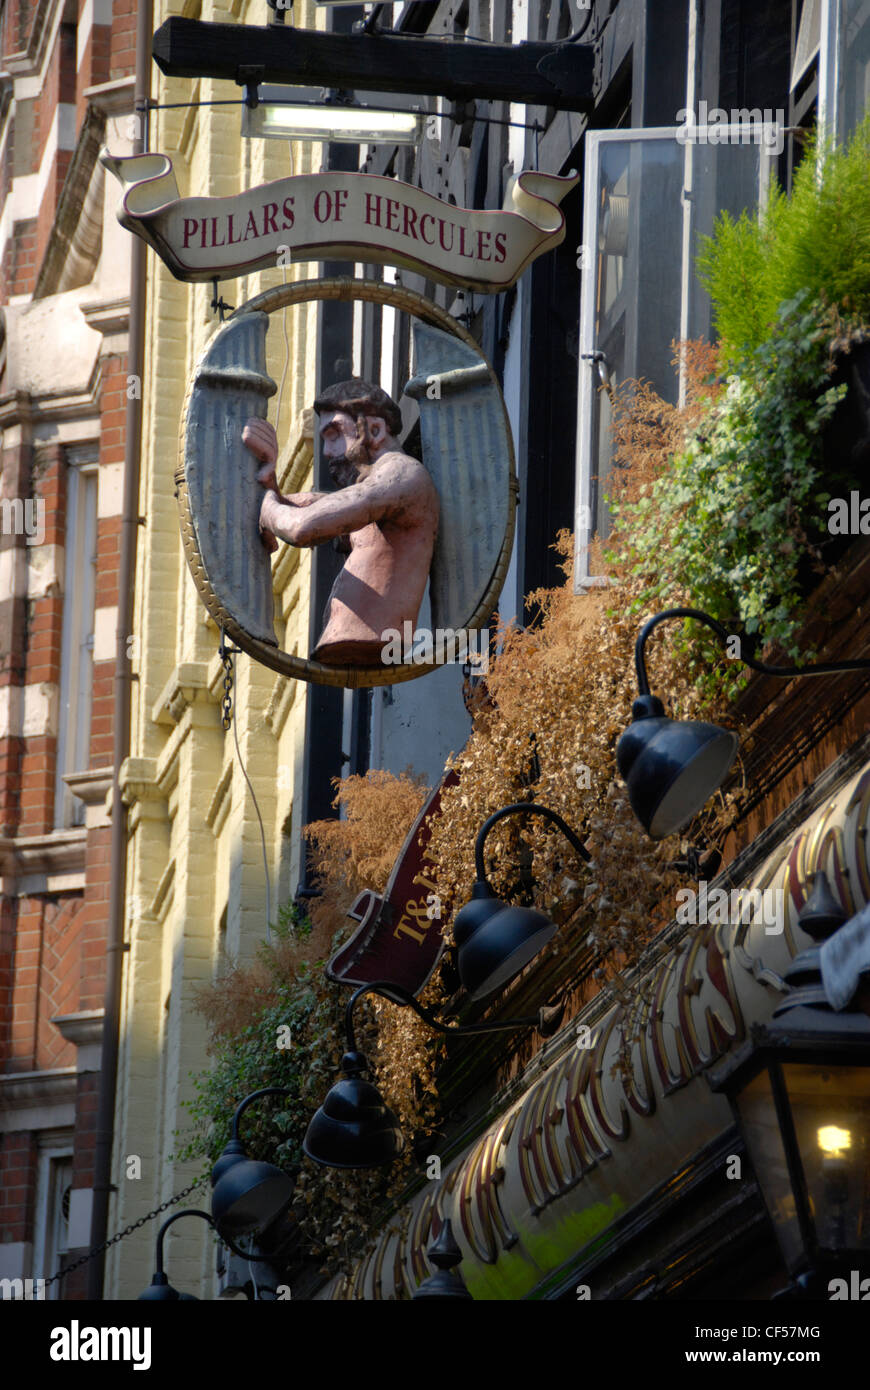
[[596, 141], [831, 74], [829, 68], [77, 644], [48, 1244]]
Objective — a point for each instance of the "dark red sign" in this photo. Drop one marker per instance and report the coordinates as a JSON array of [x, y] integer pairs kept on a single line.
[[399, 937]]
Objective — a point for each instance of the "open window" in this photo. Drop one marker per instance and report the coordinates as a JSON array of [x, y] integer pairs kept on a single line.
[[649, 197]]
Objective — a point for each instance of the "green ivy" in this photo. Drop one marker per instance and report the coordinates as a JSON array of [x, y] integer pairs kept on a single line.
[[295, 1040], [738, 512], [817, 240], [275, 1128]]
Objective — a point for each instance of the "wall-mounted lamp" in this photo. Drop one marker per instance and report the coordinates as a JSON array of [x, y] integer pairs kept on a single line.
[[160, 1290], [494, 941], [354, 1127], [672, 767], [312, 113], [247, 1194]]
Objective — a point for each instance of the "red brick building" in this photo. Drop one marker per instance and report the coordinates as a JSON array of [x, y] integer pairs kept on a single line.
[[66, 86]]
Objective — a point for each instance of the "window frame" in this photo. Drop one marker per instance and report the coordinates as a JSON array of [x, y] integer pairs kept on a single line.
[[595, 142], [75, 695]]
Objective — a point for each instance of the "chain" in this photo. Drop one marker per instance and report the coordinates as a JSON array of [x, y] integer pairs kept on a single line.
[[98, 1250], [227, 702], [225, 652]]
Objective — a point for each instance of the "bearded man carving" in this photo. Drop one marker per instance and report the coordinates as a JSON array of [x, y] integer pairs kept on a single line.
[[386, 503]]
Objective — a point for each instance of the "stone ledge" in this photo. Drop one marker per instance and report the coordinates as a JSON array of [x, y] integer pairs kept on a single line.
[[61, 851]]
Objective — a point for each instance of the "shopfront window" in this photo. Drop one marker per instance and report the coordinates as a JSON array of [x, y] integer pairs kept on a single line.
[[649, 197]]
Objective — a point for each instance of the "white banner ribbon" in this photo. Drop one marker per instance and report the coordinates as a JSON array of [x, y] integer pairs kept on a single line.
[[343, 217]]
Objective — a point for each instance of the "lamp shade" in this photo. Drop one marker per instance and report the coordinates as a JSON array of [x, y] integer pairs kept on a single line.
[[353, 1128], [494, 941], [159, 1291], [247, 1194], [671, 767]]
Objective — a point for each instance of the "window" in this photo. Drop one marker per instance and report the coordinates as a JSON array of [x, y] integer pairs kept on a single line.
[[649, 196], [51, 1232], [853, 64], [77, 643]]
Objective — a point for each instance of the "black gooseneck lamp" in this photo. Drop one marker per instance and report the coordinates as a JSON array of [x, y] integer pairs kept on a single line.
[[160, 1290], [671, 767], [247, 1194], [494, 940], [354, 1127]]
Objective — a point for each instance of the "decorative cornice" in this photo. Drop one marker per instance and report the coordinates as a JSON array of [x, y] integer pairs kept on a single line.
[[63, 851], [113, 98], [108, 316], [16, 407], [20, 407], [83, 1029], [90, 787], [139, 781], [188, 685], [25, 1089]]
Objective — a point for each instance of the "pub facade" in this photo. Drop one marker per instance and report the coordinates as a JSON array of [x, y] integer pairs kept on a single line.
[[595, 1160]]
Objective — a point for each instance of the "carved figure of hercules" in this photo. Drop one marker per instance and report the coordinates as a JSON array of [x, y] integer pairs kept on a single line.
[[386, 503]]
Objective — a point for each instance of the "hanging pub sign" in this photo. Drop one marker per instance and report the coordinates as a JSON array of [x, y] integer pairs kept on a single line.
[[339, 217], [400, 935], [436, 519], [442, 524]]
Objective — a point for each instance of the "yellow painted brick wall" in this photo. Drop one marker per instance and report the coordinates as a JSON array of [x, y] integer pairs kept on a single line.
[[194, 848]]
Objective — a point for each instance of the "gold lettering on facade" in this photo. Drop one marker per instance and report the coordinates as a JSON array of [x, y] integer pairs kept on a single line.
[[586, 1142], [419, 1236], [861, 799], [837, 842], [722, 1034], [541, 1172], [699, 969], [596, 1094], [642, 1102], [424, 1228], [482, 1172], [401, 1284], [671, 1079], [686, 989]]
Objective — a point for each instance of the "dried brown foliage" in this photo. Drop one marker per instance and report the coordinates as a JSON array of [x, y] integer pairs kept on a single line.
[[241, 992], [564, 688], [334, 1208], [646, 429], [359, 850]]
